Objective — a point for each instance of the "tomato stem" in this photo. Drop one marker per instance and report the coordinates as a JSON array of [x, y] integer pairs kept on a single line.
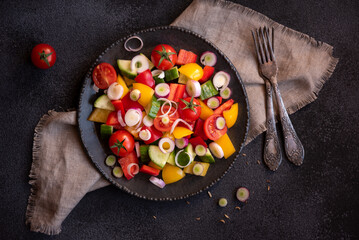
[[119, 146], [164, 55], [190, 105], [44, 56]]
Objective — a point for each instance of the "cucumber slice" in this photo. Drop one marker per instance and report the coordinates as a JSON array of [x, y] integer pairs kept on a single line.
[[208, 90], [117, 172], [110, 160], [198, 169], [171, 158], [208, 158], [157, 156], [106, 131], [171, 74], [190, 150], [154, 108], [103, 102], [145, 158], [125, 68]]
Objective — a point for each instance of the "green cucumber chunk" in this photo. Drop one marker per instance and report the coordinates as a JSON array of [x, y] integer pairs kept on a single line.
[[145, 158], [104, 102], [157, 156], [125, 68], [155, 107], [106, 131], [171, 158], [208, 158], [208, 90], [171, 74], [190, 150], [158, 80]]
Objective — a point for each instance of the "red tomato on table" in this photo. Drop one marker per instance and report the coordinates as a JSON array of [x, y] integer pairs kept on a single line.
[[104, 75], [43, 56], [164, 57], [189, 109], [121, 143], [158, 123], [210, 129]]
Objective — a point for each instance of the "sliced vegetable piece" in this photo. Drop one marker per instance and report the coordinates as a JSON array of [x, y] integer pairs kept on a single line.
[[226, 145], [150, 170], [146, 78], [110, 160], [145, 135], [211, 130], [193, 88], [154, 107], [112, 120], [208, 90], [155, 134], [207, 73], [171, 74], [125, 162], [123, 84], [127, 103], [208, 58], [200, 150], [166, 145], [171, 158], [183, 159], [129, 81], [221, 80], [225, 93], [181, 142], [213, 102], [133, 117], [220, 123], [206, 112], [104, 102], [189, 168], [198, 169], [99, 115], [162, 90], [225, 106], [198, 130], [117, 172], [183, 79], [242, 194], [216, 149], [135, 94], [222, 202], [153, 165], [139, 63], [145, 158], [231, 115], [118, 106], [190, 150], [171, 174], [208, 158], [157, 156], [106, 131], [185, 57], [125, 68], [180, 132], [146, 93], [192, 71], [197, 141], [157, 182], [147, 121], [150, 64]]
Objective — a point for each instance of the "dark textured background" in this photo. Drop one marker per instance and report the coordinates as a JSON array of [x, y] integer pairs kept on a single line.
[[316, 201]]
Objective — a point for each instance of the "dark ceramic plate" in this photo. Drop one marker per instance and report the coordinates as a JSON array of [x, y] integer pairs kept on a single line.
[[98, 150]]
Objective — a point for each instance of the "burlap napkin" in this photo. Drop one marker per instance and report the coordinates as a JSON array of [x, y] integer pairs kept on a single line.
[[61, 172]]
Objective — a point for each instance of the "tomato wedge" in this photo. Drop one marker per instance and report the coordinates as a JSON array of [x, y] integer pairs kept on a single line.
[[210, 129], [158, 123], [104, 75]]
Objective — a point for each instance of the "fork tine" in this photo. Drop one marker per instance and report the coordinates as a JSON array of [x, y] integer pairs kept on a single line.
[[265, 43], [257, 50], [260, 47], [270, 44]]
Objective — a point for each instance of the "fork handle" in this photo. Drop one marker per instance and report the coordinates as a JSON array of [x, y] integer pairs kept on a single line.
[[293, 146], [272, 155]]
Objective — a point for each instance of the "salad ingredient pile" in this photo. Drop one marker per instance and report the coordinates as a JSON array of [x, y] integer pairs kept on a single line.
[[165, 117]]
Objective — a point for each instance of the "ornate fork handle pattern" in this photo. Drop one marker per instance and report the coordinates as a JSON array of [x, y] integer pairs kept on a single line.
[[272, 154], [293, 146]]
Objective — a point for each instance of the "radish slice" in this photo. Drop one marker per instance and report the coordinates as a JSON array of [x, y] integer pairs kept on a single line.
[[198, 169], [137, 169], [135, 94], [132, 117], [180, 120], [216, 150], [220, 123], [157, 182], [120, 119], [139, 63], [145, 135], [221, 80], [200, 150], [193, 88], [137, 148], [208, 58], [213, 103], [158, 73], [148, 121], [225, 93], [115, 91], [181, 142], [242, 194], [162, 90], [166, 145]]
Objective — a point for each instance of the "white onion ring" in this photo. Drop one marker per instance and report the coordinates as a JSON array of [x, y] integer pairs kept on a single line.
[[157, 182], [148, 134], [180, 120], [137, 169], [174, 110], [137, 148], [148, 121], [169, 141], [129, 49], [120, 119]]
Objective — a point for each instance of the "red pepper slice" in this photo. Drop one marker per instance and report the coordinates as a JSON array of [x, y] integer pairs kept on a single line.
[[128, 103], [150, 170], [176, 91], [119, 107], [155, 134], [185, 57], [207, 73], [112, 120], [225, 106], [125, 161], [146, 78], [198, 130], [197, 141]]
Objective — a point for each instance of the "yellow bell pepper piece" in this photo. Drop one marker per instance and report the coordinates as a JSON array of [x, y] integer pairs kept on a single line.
[[192, 70], [146, 93], [189, 168], [128, 81], [99, 115], [206, 112], [154, 165], [171, 174], [123, 84], [231, 115], [180, 132], [168, 135], [227, 145]]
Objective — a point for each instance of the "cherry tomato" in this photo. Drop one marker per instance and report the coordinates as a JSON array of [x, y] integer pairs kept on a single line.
[[158, 123], [164, 57], [43, 56], [104, 75], [121, 143], [210, 129], [189, 109]]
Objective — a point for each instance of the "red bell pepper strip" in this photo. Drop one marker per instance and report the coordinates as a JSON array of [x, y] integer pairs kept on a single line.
[[155, 134], [150, 170], [198, 130], [176, 91], [125, 161], [119, 107], [185, 57], [128, 103], [225, 106], [207, 73], [197, 141], [146, 78]]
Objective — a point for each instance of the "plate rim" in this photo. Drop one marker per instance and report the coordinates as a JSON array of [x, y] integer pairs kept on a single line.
[[88, 75]]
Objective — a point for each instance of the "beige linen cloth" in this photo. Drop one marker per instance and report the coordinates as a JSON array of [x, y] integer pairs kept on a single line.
[[62, 173]]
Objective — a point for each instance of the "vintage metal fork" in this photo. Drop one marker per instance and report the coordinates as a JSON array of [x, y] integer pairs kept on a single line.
[[268, 68]]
